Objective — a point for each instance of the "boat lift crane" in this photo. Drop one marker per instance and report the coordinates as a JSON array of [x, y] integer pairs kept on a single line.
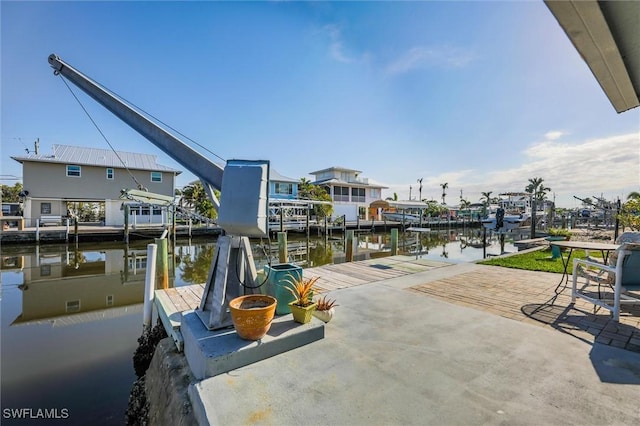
[[242, 208]]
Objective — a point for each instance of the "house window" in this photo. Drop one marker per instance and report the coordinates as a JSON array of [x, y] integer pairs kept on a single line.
[[110, 174], [45, 270], [284, 188], [340, 193], [357, 195], [73, 171], [156, 177], [45, 208], [137, 263], [375, 193], [73, 305], [110, 300]]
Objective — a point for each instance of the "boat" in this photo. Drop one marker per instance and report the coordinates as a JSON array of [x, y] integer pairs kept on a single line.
[[501, 222], [405, 218], [406, 212]]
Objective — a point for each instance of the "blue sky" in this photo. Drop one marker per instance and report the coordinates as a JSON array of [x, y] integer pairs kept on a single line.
[[481, 95]]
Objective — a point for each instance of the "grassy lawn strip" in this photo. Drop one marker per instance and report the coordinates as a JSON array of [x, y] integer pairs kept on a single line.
[[539, 260]]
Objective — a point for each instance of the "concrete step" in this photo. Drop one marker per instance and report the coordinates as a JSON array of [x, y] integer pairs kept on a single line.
[[210, 353]]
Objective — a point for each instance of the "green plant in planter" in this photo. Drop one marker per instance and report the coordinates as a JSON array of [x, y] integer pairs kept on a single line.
[[324, 303], [303, 305], [324, 308], [560, 232]]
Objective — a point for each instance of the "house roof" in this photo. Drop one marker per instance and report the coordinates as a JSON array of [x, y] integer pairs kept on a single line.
[[607, 36], [274, 176], [334, 181], [335, 168], [77, 155]]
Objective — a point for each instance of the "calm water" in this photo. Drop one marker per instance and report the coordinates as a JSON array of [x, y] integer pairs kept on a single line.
[[71, 315]]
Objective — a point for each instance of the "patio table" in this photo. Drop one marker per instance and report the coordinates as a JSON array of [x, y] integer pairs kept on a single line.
[[603, 248]]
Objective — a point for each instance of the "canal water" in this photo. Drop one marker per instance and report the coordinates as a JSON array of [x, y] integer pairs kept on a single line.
[[71, 315]]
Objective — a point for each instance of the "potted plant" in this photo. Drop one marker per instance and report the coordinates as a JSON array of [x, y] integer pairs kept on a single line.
[[559, 234], [302, 290], [324, 308], [252, 315]]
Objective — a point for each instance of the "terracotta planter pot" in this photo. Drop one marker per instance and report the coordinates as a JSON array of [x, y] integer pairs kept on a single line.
[[300, 314], [252, 315]]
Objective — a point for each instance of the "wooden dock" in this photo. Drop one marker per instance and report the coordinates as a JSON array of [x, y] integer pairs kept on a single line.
[[170, 303]]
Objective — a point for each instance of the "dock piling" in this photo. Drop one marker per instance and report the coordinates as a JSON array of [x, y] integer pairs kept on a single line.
[[282, 247], [394, 241], [149, 285], [349, 246], [163, 263]]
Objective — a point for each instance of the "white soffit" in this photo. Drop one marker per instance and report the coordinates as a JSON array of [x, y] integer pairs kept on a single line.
[[607, 36]]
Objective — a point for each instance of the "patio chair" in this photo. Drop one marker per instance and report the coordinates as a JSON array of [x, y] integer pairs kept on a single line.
[[622, 275]]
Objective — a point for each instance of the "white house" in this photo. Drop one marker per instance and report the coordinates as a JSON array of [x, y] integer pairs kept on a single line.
[[350, 192]]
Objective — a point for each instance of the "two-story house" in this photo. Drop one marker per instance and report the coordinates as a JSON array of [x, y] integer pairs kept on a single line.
[[351, 193], [71, 176]]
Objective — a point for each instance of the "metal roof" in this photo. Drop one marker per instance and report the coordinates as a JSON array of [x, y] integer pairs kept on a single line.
[[338, 169], [356, 184], [274, 176], [607, 36], [77, 155]]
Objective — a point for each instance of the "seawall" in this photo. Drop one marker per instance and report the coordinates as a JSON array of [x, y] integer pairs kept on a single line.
[[166, 384]]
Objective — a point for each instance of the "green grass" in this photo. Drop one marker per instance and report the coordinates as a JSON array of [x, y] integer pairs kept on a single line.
[[539, 260]]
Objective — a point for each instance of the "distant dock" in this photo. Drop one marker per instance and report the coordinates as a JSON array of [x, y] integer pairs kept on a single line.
[[95, 232], [91, 233]]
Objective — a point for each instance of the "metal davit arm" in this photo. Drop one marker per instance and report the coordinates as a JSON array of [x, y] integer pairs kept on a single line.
[[206, 170]]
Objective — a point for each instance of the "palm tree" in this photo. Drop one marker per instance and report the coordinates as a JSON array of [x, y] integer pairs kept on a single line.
[[538, 190], [486, 201], [464, 205], [635, 195], [305, 188], [195, 197], [309, 191], [444, 194], [394, 198]]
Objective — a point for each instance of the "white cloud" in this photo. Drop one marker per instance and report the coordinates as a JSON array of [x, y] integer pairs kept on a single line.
[[422, 57], [608, 166], [553, 135], [336, 45]]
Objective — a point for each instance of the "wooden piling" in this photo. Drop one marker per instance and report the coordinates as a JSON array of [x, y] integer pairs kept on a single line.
[[163, 262], [349, 246], [127, 211], [282, 247], [394, 241]]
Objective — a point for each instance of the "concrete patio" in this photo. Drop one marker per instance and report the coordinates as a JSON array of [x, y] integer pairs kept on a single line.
[[459, 344]]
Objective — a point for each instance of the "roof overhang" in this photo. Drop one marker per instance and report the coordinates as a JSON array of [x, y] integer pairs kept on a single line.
[[607, 36]]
